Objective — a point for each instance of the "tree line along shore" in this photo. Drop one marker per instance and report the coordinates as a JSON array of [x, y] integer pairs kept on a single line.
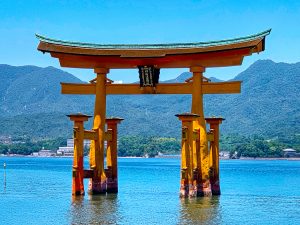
[[138, 146]]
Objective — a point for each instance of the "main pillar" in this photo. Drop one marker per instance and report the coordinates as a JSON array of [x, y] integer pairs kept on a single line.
[[97, 184], [112, 155], [78, 172], [204, 187], [214, 152], [188, 178]]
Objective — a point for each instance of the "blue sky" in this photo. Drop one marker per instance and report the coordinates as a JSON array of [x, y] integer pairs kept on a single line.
[[147, 22]]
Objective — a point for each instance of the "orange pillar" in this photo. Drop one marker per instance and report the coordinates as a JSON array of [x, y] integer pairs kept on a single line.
[[204, 187], [112, 155], [214, 152], [78, 172], [97, 184], [188, 186]]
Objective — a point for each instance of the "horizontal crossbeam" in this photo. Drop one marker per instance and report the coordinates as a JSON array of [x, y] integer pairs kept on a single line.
[[93, 135], [88, 173], [166, 88], [108, 135], [210, 136], [90, 135]]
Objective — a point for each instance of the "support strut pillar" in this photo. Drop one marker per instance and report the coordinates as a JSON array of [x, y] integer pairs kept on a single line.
[[78, 171], [112, 155], [214, 155]]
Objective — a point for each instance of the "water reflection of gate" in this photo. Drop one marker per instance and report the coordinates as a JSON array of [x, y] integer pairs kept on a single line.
[[200, 211], [98, 209]]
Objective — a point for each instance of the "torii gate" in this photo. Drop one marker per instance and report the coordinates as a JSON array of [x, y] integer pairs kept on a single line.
[[199, 162]]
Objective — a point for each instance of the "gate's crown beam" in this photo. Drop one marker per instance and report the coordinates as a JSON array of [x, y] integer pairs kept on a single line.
[[197, 69], [101, 70]]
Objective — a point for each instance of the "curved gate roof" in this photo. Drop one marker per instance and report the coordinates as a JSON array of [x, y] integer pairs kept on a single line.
[[228, 52]]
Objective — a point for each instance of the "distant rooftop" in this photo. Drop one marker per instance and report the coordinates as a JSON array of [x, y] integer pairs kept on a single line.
[[289, 150]]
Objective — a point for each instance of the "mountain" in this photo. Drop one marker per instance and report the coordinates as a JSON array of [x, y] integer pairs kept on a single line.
[[180, 79], [269, 103], [32, 106], [31, 89]]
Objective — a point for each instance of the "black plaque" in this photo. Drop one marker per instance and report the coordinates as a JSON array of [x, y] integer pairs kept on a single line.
[[149, 76]]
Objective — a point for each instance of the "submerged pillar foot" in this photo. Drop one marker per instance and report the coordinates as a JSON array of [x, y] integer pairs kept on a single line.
[[215, 188], [184, 191], [193, 189], [78, 193], [76, 190], [77, 182], [204, 189]]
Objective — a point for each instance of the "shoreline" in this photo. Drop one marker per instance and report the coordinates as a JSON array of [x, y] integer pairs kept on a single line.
[[138, 157], [30, 156], [288, 159]]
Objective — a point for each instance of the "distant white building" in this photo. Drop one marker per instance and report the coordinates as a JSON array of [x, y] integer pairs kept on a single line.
[[69, 149], [289, 152], [5, 139], [45, 153], [65, 151], [35, 154], [224, 155], [70, 142]]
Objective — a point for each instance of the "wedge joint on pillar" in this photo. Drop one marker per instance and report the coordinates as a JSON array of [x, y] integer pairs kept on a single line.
[[197, 69], [100, 70]]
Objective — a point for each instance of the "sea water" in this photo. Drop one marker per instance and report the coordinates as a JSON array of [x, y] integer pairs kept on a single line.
[[38, 191]]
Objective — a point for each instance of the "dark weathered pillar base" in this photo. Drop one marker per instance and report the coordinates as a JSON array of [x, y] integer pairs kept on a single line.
[[193, 189], [215, 188], [184, 191], [96, 186], [204, 189], [112, 185], [216, 192], [78, 193], [77, 182]]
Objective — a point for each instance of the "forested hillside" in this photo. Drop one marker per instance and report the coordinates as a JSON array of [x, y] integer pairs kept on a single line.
[[269, 105]]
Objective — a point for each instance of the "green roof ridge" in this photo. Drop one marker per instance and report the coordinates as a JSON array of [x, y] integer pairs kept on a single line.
[[153, 46]]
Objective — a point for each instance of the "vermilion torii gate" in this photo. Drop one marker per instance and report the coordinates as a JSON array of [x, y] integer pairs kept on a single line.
[[200, 160]]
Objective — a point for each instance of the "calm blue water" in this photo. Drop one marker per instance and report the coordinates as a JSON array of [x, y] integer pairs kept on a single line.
[[38, 191]]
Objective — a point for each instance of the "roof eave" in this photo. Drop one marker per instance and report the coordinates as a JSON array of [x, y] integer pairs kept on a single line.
[[254, 45]]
